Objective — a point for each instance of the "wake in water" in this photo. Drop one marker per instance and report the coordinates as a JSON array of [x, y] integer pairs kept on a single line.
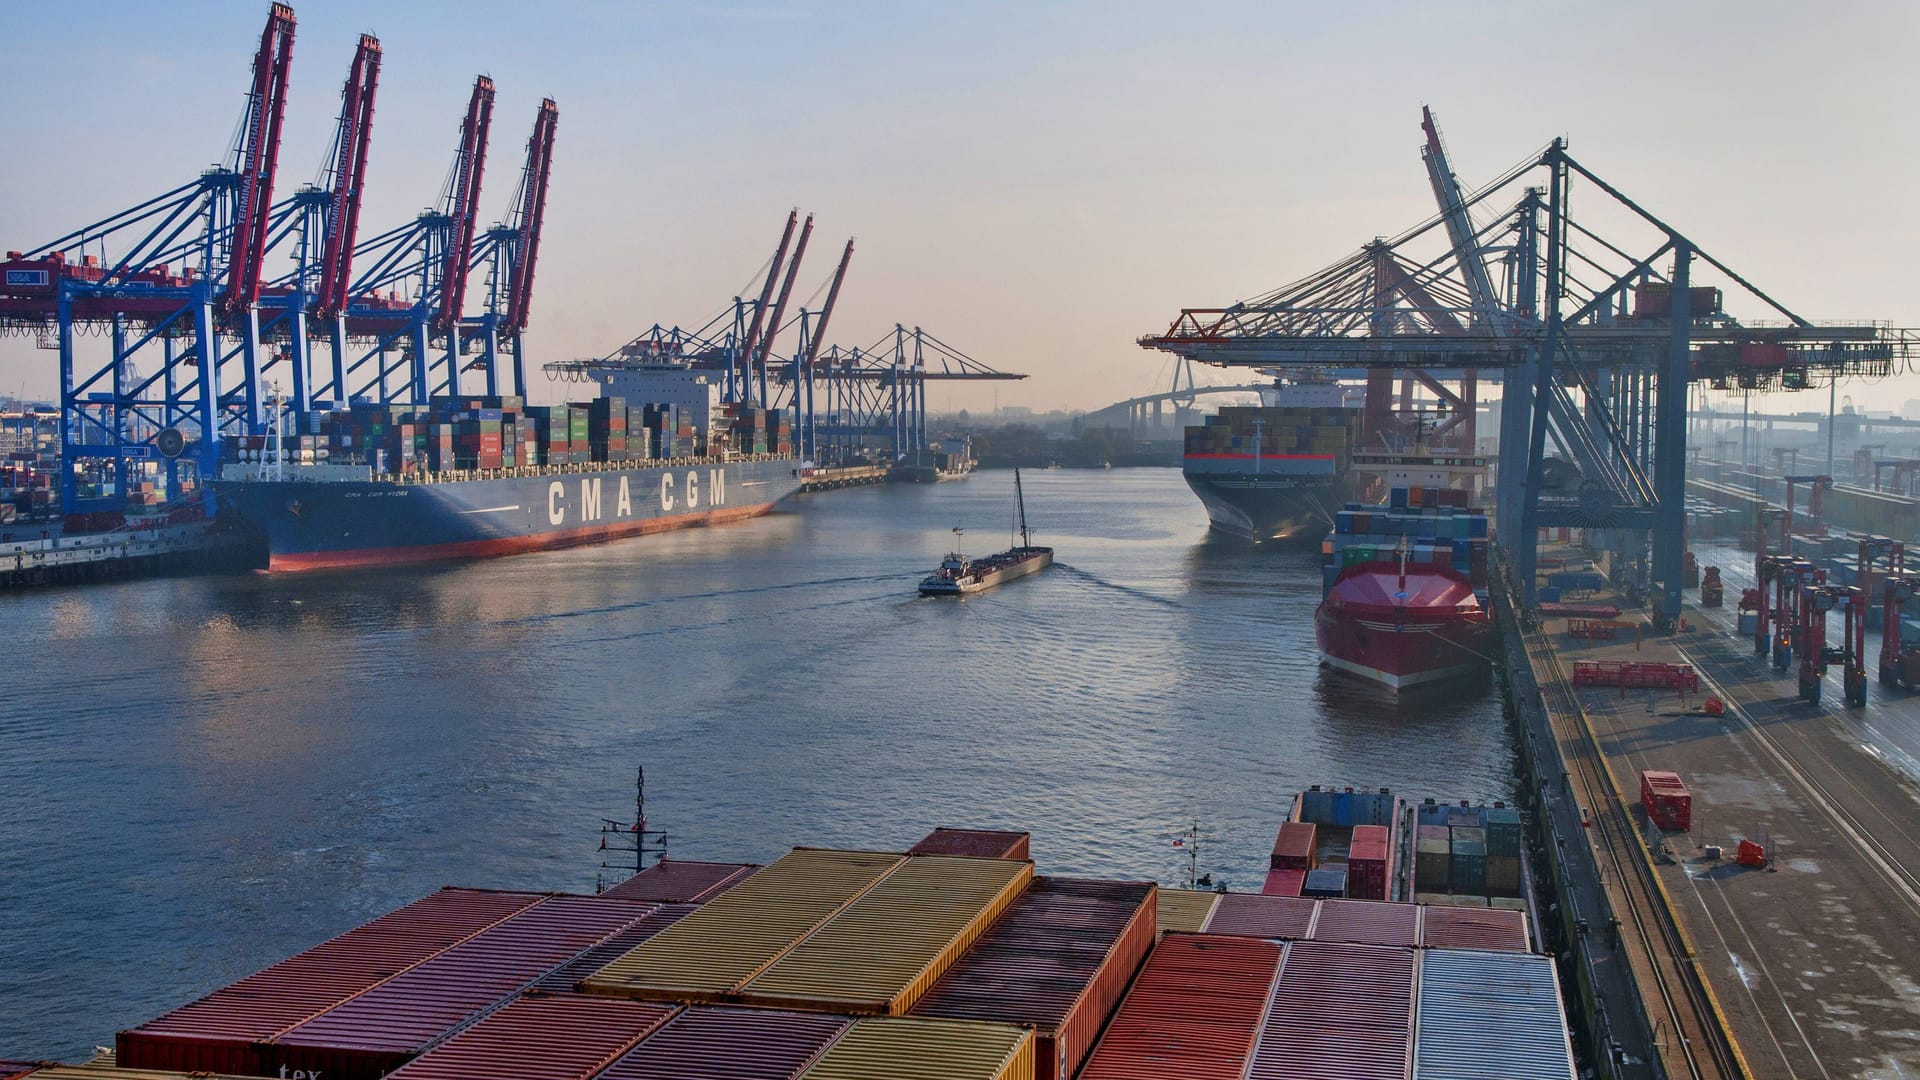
[[1097, 581], [680, 598]]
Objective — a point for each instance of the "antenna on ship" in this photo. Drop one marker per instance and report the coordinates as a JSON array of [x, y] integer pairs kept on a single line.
[[630, 836]]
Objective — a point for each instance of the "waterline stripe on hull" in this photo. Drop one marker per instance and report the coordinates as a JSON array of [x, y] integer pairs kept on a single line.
[[1399, 682], [297, 562]]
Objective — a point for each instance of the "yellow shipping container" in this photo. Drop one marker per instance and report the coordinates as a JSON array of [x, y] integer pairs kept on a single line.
[[917, 1048], [1185, 909], [884, 950], [737, 934]]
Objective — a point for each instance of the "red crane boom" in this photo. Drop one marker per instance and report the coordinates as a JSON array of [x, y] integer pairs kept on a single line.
[[766, 291], [258, 159], [531, 211], [463, 199], [786, 290], [826, 313], [349, 177]]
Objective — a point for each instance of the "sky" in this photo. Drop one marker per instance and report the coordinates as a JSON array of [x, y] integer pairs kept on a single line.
[[1037, 184]]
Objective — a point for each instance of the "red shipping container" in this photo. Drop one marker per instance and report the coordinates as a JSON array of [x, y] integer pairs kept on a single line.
[[557, 1037], [568, 975], [1368, 861], [9, 1069], [731, 1044], [1193, 1013], [1368, 922], [221, 1032], [1293, 848], [389, 1025], [1058, 961], [1263, 916], [1284, 882], [1495, 929], [1667, 801], [681, 881], [979, 843], [1340, 1010]]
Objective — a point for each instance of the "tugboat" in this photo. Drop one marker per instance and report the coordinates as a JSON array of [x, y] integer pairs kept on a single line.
[[959, 575]]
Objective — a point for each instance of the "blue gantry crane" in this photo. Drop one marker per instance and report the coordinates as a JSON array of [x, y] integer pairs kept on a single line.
[[1595, 323], [200, 336], [178, 278]]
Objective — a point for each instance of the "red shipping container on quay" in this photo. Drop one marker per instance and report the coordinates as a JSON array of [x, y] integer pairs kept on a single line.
[[1493, 929], [384, 1028], [1339, 1011], [1284, 882], [1192, 1014], [1666, 799], [1368, 922], [705, 1043], [679, 881], [1058, 961], [1263, 916], [1293, 848], [978, 843], [556, 1037], [221, 1032]]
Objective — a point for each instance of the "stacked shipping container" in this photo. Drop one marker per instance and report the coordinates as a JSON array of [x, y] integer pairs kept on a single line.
[[741, 932], [500, 432], [1007, 977], [1057, 962], [1338, 1011], [223, 1031], [679, 881], [706, 1043], [881, 952], [1490, 1014], [557, 1037], [1192, 1014], [387, 1026], [1431, 525]]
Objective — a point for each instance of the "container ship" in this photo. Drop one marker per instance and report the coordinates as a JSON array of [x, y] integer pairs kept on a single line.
[[1279, 472], [487, 475], [1406, 590]]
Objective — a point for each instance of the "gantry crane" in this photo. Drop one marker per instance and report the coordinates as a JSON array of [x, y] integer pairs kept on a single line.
[[179, 275], [430, 257], [509, 252], [1597, 338], [842, 399]]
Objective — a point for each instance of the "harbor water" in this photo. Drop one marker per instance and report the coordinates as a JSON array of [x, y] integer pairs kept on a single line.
[[204, 775]]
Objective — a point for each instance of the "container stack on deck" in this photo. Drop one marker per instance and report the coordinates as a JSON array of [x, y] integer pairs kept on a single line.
[[1469, 856], [958, 963], [1433, 526], [1317, 440], [504, 432]]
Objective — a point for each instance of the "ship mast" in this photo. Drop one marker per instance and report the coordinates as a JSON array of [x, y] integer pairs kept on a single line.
[[1020, 498]]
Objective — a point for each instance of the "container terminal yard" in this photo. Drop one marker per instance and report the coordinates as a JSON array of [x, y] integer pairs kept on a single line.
[[1708, 663]]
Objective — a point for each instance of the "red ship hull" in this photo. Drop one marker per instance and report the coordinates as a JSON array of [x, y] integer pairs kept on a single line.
[[1403, 631]]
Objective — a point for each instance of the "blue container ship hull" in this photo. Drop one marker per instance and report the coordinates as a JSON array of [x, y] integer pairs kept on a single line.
[[331, 524]]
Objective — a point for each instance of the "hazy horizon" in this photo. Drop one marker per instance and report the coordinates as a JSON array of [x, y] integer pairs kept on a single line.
[[1036, 185]]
